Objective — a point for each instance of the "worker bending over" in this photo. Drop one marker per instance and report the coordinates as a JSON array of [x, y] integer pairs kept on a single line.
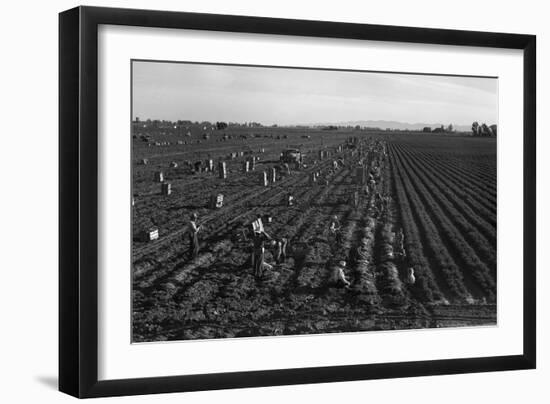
[[338, 276]]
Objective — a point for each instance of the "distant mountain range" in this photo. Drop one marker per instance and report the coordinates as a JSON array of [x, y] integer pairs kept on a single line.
[[395, 125]]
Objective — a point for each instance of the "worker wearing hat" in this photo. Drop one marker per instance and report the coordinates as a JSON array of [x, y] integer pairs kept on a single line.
[[193, 236], [334, 234], [338, 276], [259, 237]]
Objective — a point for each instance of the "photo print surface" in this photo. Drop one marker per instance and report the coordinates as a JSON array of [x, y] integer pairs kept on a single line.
[[272, 201]]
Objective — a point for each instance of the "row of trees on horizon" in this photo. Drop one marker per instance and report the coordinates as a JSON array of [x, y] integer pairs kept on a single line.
[[476, 129]]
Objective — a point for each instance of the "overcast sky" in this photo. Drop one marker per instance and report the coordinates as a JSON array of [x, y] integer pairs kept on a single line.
[[200, 92]]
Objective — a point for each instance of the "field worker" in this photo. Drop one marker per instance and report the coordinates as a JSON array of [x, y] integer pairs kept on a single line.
[[372, 185], [259, 236], [338, 276], [334, 235], [334, 226], [410, 277], [399, 240], [366, 190], [258, 252], [280, 249], [193, 236], [379, 201]]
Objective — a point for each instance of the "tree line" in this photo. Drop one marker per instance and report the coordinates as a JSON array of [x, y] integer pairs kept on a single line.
[[483, 130]]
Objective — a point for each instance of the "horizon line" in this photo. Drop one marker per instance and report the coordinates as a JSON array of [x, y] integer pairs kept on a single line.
[[340, 123]]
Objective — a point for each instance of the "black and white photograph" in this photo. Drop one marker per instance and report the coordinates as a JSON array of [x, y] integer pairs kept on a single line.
[[274, 201]]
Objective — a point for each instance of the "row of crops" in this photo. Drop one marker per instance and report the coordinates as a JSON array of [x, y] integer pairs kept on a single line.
[[446, 202], [419, 246]]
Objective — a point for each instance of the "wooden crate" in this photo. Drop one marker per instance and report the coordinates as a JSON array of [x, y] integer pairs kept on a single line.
[[166, 188], [257, 226], [149, 234], [222, 170], [290, 200], [216, 201], [159, 176]]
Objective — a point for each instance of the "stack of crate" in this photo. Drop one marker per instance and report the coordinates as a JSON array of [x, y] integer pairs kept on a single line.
[[222, 169], [158, 176]]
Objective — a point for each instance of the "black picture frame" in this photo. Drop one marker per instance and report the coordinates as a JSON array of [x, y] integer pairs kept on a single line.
[[78, 201]]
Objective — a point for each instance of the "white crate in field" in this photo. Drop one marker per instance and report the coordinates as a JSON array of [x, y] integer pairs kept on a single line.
[[290, 200], [252, 163], [257, 226], [222, 169], [159, 176], [149, 234], [166, 188], [216, 201]]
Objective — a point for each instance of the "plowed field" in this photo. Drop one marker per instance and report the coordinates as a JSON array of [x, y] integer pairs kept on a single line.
[[438, 191]]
